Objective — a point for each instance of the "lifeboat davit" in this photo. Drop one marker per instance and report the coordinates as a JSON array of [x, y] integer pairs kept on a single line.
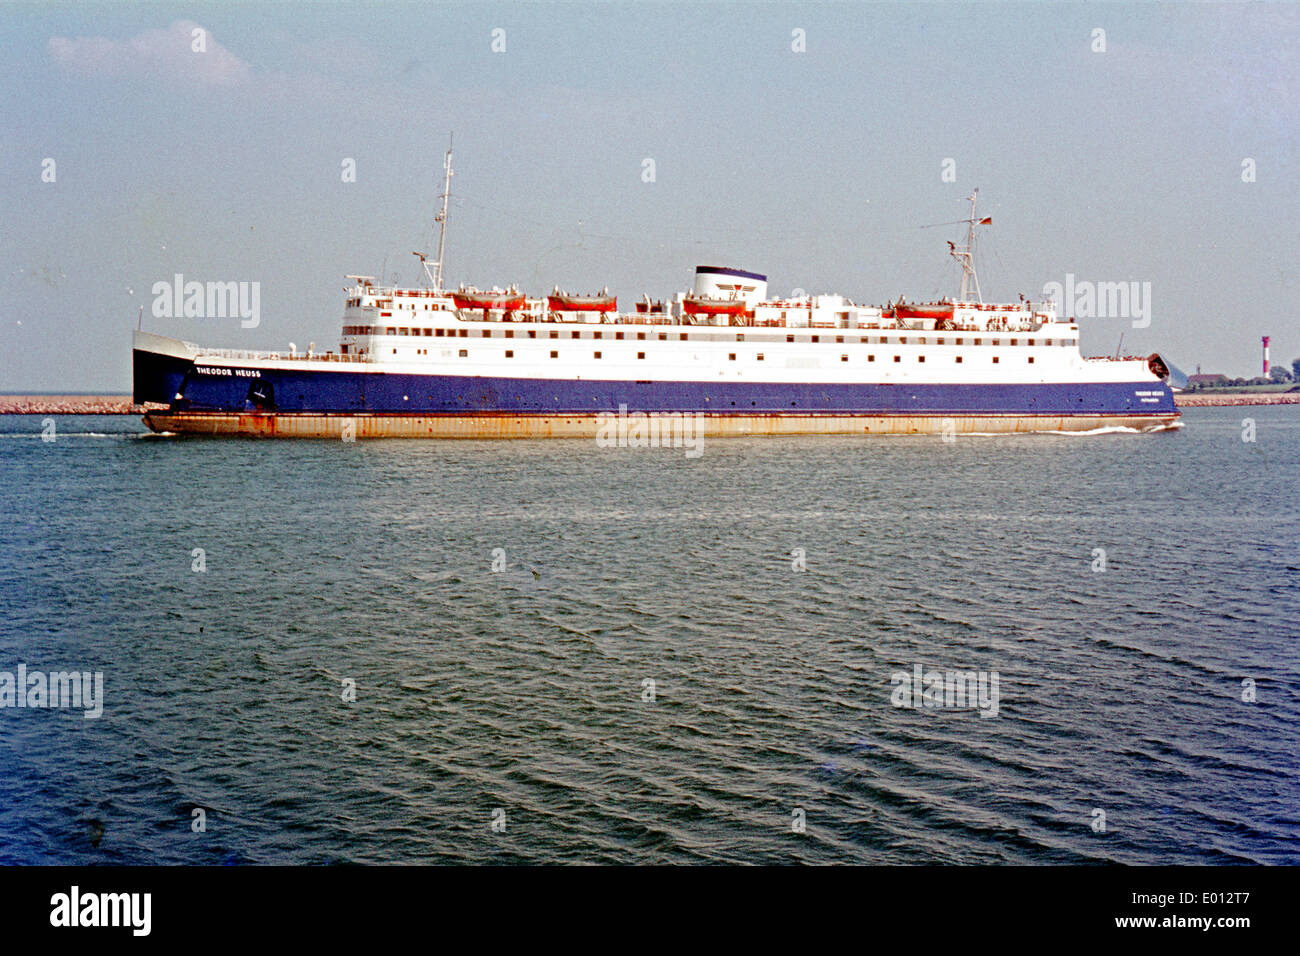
[[559, 301], [700, 305]]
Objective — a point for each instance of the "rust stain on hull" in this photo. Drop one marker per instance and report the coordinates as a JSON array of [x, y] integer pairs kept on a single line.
[[309, 425]]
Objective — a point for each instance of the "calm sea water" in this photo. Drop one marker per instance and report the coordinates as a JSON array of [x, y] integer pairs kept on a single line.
[[523, 697]]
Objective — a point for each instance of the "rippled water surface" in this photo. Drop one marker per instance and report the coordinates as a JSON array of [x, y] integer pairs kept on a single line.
[[523, 695]]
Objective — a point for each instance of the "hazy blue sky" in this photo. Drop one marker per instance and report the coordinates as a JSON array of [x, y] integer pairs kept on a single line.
[[817, 168]]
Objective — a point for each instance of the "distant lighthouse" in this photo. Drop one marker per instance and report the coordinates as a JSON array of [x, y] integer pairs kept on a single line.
[[1264, 339]]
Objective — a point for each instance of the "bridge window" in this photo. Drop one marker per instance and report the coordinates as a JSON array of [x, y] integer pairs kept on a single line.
[[555, 354], [640, 355], [595, 355], [509, 354], [464, 353]]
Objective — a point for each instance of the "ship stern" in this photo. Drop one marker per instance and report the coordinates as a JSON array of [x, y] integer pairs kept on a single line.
[[158, 367]]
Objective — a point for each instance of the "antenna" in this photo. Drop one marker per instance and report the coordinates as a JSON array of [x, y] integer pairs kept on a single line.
[[441, 217], [967, 256]]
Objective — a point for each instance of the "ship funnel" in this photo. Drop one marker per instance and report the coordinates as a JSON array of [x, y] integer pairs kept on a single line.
[[716, 282]]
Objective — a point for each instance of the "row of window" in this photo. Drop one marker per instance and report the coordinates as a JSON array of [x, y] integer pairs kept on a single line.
[[385, 304], [685, 337], [464, 353]]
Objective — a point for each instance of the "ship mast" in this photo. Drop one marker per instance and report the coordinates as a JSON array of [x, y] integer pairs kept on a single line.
[[441, 218], [969, 280]]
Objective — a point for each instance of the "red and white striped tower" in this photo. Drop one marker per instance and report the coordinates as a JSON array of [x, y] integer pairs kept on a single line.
[[1264, 339]]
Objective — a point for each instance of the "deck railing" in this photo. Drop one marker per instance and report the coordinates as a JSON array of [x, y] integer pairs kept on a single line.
[[249, 355]]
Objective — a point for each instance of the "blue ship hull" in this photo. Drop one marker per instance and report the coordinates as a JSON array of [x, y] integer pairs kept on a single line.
[[348, 392], [305, 402]]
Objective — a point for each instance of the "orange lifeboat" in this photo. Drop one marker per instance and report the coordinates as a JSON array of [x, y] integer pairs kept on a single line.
[[559, 301], [488, 301], [701, 305]]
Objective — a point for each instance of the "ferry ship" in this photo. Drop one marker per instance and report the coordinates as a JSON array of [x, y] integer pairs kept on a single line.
[[496, 363]]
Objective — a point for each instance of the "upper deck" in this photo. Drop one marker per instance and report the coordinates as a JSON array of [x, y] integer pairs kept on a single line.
[[821, 338], [372, 306]]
